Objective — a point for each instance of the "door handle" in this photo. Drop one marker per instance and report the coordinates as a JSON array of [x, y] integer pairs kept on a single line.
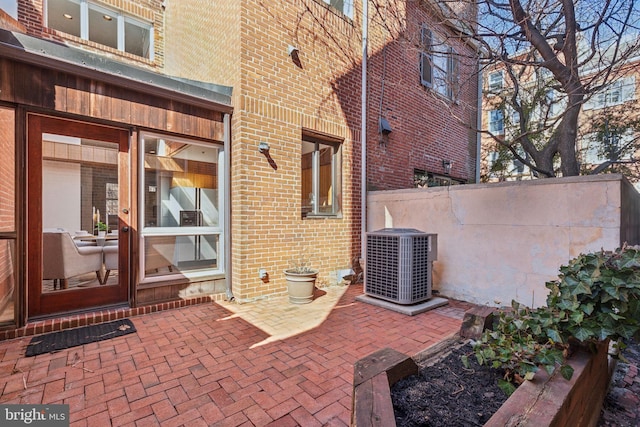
[[125, 229]]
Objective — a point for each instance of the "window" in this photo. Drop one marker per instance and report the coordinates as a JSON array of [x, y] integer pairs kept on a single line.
[[344, 6], [321, 174], [86, 20], [181, 207], [495, 81], [554, 102], [515, 117], [496, 122], [438, 64], [616, 93], [111, 198], [597, 147], [423, 179]]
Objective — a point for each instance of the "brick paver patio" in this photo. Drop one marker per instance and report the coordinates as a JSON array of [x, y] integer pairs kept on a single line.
[[264, 363]]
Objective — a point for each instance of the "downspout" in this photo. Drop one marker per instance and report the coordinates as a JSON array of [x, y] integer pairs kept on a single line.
[[227, 206], [363, 132], [479, 124]]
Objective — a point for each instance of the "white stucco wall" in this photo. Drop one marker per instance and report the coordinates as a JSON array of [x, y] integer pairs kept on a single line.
[[498, 242]]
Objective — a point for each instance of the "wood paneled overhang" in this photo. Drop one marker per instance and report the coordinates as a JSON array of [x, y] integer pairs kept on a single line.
[[45, 75]]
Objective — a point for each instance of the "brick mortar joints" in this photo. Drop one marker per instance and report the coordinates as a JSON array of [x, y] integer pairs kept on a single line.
[[250, 105]]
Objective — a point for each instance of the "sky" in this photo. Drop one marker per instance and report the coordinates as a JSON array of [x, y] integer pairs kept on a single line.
[[9, 6]]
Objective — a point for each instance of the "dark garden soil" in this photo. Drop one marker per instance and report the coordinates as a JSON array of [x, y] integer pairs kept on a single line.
[[447, 394]]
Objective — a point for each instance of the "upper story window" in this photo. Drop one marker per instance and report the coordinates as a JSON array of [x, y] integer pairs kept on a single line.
[[495, 81], [598, 147], [423, 179], [496, 122], [438, 64], [344, 6], [87, 20], [616, 93], [321, 169]]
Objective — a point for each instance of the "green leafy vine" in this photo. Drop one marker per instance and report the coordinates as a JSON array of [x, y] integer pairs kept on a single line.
[[596, 298]]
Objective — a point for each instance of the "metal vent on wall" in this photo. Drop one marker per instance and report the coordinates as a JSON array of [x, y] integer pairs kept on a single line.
[[399, 264]]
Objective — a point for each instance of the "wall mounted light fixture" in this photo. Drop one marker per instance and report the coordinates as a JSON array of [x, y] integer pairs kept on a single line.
[[446, 165], [263, 147], [294, 53], [384, 127]]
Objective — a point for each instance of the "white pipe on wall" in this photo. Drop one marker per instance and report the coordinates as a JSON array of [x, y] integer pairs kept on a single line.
[[479, 124], [363, 131]]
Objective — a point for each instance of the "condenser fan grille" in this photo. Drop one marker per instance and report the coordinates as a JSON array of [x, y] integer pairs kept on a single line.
[[382, 266], [399, 264]]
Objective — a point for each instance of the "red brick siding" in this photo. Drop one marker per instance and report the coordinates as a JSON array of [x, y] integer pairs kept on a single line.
[[7, 206], [427, 127]]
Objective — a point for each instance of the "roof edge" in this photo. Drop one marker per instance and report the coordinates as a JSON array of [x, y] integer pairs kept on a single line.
[[58, 56]]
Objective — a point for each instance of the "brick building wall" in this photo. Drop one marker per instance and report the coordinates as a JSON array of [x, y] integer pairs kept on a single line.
[[7, 208], [427, 127], [203, 43], [245, 44]]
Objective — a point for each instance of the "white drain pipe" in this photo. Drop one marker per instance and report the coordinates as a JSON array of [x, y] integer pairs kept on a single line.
[[363, 131]]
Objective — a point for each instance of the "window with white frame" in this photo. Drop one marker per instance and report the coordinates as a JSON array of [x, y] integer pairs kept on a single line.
[[344, 6], [495, 81], [618, 92], [89, 21], [492, 157], [511, 122], [111, 198], [321, 169], [597, 148], [496, 122], [554, 103], [438, 64], [181, 208]]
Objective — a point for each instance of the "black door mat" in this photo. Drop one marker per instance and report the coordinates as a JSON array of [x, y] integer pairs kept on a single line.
[[56, 341]]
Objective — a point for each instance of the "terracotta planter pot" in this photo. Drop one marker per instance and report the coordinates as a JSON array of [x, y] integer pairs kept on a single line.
[[300, 286]]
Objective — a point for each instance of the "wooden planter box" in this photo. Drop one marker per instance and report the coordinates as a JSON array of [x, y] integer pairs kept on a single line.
[[544, 401]]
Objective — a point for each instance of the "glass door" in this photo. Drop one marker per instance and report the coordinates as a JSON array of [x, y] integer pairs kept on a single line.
[[78, 225]]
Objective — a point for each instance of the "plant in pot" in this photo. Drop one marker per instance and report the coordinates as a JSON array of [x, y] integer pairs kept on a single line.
[[596, 298], [102, 228], [301, 282]]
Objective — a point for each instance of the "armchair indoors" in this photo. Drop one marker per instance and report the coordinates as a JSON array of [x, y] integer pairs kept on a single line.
[[110, 261], [62, 259], [159, 253]]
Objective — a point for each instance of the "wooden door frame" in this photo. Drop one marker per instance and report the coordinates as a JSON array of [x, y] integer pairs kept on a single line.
[[41, 304]]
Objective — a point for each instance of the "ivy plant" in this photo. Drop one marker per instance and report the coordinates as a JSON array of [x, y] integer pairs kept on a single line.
[[596, 298]]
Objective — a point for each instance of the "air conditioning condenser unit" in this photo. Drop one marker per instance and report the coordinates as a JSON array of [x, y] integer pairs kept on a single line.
[[399, 264]]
